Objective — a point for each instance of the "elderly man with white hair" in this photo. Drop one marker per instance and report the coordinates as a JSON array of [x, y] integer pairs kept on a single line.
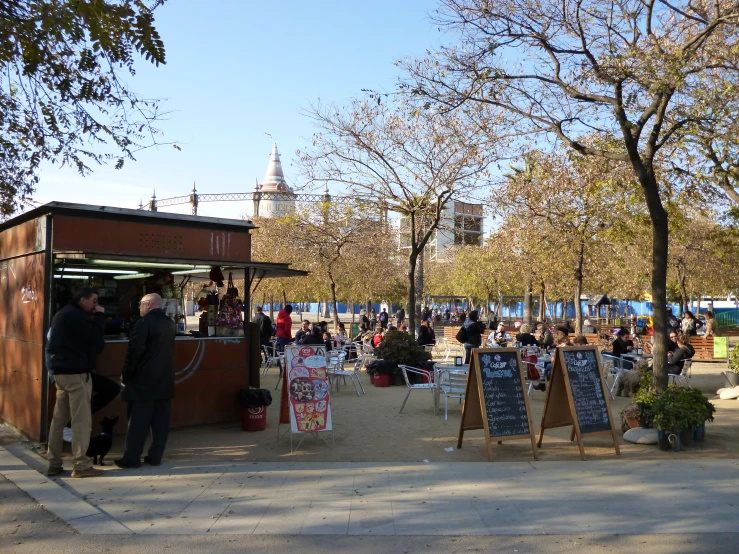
[[148, 375]]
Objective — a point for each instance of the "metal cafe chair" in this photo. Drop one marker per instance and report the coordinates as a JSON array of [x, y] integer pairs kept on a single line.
[[683, 376], [453, 384], [430, 385]]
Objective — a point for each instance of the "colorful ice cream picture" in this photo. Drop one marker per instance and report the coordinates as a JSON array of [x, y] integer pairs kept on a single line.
[[308, 389]]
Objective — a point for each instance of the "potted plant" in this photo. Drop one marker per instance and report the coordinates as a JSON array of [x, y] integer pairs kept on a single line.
[[670, 418], [644, 399], [702, 410], [630, 417], [399, 348], [733, 374]]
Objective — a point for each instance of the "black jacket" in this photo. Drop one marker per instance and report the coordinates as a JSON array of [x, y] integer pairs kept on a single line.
[[425, 336], [148, 371], [75, 340], [265, 327], [527, 339], [474, 331]]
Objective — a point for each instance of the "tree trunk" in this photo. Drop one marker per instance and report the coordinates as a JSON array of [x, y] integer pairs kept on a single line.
[[284, 299], [660, 235], [527, 307], [542, 303], [411, 300], [578, 290], [332, 285], [325, 309], [419, 286], [272, 308], [714, 313]]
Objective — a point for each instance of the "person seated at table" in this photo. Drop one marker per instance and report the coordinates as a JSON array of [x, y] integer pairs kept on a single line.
[[404, 328], [426, 336], [314, 337], [499, 338], [580, 340], [672, 343], [328, 342], [303, 332], [340, 331], [561, 338], [684, 351], [525, 337], [546, 339]]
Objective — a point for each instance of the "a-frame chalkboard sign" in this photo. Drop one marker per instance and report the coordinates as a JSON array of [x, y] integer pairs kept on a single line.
[[576, 395], [496, 399]]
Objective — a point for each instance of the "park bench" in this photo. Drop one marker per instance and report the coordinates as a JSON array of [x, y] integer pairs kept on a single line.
[[592, 338], [704, 349]]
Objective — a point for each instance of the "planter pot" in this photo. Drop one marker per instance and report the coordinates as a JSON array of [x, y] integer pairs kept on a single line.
[[632, 422], [668, 441], [254, 419], [397, 379], [699, 435], [382, 380], [732, 378], [371, 375], [686, 437]]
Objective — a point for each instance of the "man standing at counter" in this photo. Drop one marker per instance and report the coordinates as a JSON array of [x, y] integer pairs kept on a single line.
[[74, 342], [148, 375], [284, 332]]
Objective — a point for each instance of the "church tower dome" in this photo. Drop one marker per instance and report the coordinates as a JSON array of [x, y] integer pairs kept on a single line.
[[274, 182]]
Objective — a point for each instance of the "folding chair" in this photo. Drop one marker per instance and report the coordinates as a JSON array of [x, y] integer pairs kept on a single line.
[[421, 386], [684, 375], [454, 385], [353, 375], [270, 357]]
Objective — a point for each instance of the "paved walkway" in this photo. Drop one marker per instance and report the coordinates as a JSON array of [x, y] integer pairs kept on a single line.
[[524, 498]]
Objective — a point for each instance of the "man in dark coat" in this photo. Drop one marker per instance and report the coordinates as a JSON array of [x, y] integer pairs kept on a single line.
[[148, 375], [75, 340], [265, 328]]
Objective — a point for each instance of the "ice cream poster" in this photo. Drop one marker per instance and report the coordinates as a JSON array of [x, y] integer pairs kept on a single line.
[[308, 389]]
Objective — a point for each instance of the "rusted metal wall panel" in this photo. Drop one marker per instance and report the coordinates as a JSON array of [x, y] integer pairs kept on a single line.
[[21, 341], [209, 375], [149, 240], [26, 238]]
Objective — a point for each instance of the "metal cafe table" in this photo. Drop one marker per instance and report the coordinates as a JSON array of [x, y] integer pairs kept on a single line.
[[438, 370]]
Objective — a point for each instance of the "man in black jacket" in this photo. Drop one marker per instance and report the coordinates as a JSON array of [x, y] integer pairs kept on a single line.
[[75, 340], [265, 327], [148, 375]]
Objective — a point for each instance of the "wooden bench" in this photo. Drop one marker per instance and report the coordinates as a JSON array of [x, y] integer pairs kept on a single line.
[[704, 349], [592, 338]]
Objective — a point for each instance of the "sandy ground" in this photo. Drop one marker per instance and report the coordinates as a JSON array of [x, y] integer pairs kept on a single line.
[[370, 429]]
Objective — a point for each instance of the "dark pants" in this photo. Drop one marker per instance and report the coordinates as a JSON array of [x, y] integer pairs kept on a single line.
[[468, 352], [142, 416]]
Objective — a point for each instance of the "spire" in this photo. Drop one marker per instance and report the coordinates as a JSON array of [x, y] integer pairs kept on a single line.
[[274, 179], [193, 187]]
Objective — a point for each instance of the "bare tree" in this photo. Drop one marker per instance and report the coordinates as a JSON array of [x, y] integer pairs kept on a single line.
[[633, 73], [409, 160]]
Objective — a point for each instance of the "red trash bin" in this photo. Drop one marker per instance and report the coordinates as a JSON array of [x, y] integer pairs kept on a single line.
[[254, 419]]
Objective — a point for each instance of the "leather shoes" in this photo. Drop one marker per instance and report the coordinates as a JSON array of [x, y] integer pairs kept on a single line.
[[125, 464], [54, 470], [147, 460]]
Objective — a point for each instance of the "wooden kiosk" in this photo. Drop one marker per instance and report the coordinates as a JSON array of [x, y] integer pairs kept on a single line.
[[45, 250]]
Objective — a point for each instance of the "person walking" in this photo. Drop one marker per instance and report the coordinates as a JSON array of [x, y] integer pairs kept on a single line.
[[265, 327], [148, 377], [399, 317], [373, 319], [284, 331], [383, 317], [75, 340]]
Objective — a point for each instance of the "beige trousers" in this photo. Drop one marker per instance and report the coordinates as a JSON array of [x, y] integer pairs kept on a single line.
[[73, 395]]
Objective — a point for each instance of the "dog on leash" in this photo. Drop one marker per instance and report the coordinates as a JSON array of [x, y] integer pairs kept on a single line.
[[100, 445]]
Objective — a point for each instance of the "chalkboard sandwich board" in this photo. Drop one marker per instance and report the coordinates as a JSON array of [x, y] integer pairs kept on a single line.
[[496, 399], [576, 395]]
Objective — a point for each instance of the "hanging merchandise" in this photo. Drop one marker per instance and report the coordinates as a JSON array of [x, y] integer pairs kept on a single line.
[[230, 322]]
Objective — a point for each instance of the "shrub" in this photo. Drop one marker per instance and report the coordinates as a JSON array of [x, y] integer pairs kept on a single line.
[[399, 348]]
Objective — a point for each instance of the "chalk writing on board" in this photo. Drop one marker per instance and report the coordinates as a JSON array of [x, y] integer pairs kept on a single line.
[[587, 391], [503, 395]]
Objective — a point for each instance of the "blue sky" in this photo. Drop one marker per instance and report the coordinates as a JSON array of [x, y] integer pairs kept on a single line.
[[237, 69]]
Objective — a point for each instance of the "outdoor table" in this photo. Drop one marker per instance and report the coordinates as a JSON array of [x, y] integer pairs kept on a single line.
[[438, 369]]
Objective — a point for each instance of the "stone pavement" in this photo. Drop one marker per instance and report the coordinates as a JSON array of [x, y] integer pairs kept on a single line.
[[523, 498]]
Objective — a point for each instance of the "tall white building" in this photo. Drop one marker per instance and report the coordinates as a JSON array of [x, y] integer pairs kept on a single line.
[[273, 197], [461, 224]]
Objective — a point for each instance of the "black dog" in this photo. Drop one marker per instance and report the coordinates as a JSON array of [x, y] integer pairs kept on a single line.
[[100, 445]]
